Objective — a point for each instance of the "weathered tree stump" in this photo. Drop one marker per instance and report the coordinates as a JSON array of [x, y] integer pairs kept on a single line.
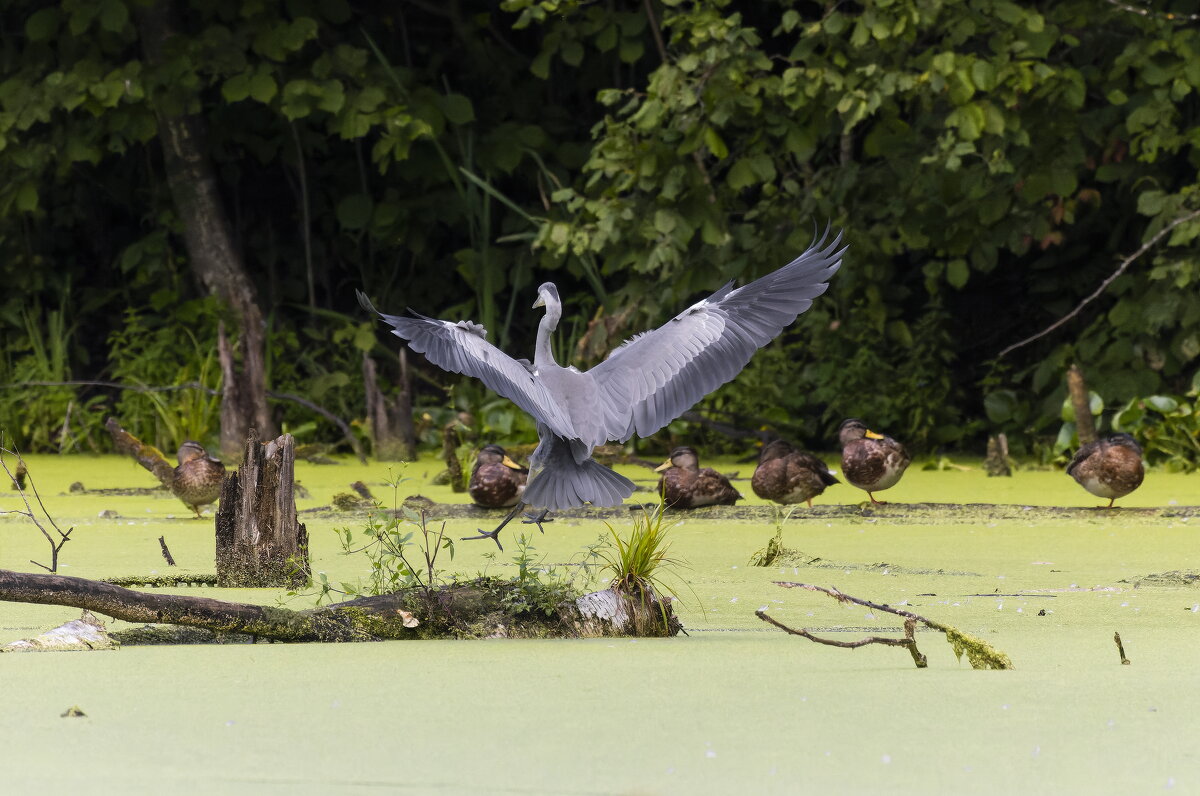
[[996, 462], [393, 437], [451, 440], [259, 541]]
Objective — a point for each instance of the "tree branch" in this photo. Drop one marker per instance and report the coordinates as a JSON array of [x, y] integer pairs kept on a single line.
[[1145, 247], [980, 654]]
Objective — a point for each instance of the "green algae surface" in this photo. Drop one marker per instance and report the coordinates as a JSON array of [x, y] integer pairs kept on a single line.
[[736, 706]]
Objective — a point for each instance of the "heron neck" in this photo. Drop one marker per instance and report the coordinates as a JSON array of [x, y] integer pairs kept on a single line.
[[543, 355]]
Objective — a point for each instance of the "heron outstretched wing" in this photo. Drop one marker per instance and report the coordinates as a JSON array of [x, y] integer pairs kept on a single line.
[[655, 377], [461, 348]]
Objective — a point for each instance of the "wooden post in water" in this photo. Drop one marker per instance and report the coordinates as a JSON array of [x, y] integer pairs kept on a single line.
[[1085, 427], [260, 543]]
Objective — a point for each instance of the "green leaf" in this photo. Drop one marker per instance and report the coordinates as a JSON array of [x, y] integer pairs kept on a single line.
[[741, 175], [42, 25], [983, 75], [354, 211], [113, 15], [457, 109], [236, 88], [262, 86], [957, 273], [540, 66], [1000, 405], [631, 50], [572, 53], [1117, 97], [27, 197], [715, 144], [1162, 403], [664, 221], [1150, 203]]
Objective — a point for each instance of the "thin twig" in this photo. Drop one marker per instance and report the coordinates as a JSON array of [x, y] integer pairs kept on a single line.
[[658, 39], [162, 541], [1145, 247], [908, 641], [64, 536], [1120, 649]]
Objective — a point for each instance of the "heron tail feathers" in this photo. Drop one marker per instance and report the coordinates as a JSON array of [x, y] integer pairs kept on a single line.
[[567, 485]]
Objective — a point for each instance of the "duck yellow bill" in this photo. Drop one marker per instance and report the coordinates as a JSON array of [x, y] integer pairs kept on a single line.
[[873, 435], [664, 466], [510, 463]]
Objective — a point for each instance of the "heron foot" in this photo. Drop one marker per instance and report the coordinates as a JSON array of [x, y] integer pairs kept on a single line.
[[494, 535], [537, 519]]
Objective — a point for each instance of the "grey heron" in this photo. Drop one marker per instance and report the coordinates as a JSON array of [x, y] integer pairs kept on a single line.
[[643, 385]]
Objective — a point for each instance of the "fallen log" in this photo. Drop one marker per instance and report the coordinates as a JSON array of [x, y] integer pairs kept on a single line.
[[473, 609]]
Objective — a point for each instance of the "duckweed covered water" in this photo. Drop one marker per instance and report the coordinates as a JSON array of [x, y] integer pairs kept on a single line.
[[734, 707]]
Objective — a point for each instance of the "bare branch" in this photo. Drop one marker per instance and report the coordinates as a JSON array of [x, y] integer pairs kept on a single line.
[[1145, 247], [980, 654]]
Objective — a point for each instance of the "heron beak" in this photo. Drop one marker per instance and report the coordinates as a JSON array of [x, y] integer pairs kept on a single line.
[[510, 463], [873, 435], [541, 301], [664, 466]]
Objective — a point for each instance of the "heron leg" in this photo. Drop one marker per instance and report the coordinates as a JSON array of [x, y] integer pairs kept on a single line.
[[494, 534], [537, 519]]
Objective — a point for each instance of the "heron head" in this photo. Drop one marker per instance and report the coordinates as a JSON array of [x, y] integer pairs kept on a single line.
[[547, 296]]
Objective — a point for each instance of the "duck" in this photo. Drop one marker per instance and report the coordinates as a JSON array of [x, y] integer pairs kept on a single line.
[[684, 485], [496, 480], [1110, 467], [198, 478], [870, 461], [785, 474]]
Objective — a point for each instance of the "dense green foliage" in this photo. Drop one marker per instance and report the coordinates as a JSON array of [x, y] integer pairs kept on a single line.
[[991, 163]]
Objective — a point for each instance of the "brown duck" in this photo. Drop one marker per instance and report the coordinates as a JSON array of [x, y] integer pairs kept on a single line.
[[870, 461], [685, 486], [496, 480], [786, 474], [198, 477], [1111, 467]]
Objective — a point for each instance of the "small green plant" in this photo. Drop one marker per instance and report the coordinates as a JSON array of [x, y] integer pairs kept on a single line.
[[774, 549], [1167, 426], [639, 561], [391, 543], [542, 587]]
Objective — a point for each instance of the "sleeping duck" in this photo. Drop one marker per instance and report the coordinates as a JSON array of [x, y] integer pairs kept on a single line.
[[496, 480], [870, 461], [198, 477], [685, 486], [1111, 467], [786, 474]]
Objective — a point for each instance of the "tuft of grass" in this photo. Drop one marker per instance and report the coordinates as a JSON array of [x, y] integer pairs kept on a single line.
[[639, 561]]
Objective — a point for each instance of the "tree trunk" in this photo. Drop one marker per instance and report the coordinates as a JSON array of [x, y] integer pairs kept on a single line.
[[259, 541], [207, 232], [393, 437]]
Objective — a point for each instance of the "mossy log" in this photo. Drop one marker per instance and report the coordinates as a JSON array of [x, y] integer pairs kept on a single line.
[[463, 610], [259, 540]]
